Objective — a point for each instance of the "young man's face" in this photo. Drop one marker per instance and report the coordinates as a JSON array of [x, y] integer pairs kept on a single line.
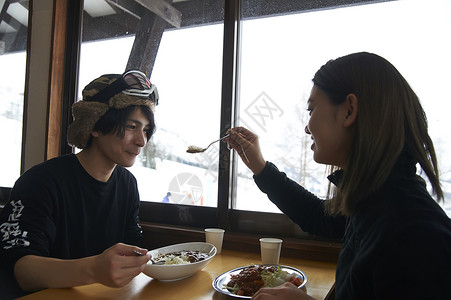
[[123, 151]]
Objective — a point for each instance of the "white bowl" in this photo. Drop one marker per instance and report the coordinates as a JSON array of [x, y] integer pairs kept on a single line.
[[177, 272]]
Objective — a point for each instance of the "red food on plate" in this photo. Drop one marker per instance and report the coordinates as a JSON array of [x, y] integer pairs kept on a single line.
[[250, 279]]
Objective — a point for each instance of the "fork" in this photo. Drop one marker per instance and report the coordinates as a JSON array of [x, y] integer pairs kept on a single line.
[[194, 149], [160, 262]]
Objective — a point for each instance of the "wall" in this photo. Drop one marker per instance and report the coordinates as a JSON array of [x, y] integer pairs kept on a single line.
[[37, 92]]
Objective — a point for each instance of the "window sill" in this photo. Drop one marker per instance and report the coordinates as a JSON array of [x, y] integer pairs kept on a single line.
[[159, 235]]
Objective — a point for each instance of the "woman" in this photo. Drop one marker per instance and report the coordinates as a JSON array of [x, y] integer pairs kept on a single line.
[[368, 125]]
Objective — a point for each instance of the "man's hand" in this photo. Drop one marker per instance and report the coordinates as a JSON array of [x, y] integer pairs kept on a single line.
[[115, 267], [118, 265]]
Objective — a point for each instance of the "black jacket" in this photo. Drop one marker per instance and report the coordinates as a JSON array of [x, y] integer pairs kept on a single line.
[[56, 209], [397, 245]]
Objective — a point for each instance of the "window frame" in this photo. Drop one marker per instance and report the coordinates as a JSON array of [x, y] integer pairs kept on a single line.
[[62, 81], [235, 222], [224, 215]]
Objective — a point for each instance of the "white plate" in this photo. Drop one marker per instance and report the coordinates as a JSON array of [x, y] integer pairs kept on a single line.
[[177, 272], [223, 279]]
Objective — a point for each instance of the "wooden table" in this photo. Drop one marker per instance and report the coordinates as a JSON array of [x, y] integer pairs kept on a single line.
[[320, 278]]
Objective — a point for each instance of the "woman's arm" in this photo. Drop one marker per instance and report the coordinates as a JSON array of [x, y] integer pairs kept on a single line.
[[301, 206]]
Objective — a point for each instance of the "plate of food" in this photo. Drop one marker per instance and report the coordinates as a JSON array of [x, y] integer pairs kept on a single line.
[[244, 282], [179, 261]]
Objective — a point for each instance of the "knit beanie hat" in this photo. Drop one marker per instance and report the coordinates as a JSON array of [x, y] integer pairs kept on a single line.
[[109, 91]]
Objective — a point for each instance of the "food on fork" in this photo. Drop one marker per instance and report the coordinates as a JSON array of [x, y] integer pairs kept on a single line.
[[194, 149]]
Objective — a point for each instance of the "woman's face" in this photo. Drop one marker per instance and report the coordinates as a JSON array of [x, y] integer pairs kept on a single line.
[[331, 138]]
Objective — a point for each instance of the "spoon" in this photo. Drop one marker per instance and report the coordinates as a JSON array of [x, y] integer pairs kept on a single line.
[[195, 149]]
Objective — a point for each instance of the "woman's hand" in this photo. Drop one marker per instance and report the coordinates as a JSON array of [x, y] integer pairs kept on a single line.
[[246, 144], [286, 291]]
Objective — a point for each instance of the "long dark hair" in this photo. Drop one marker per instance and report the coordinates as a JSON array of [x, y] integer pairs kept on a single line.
[[390, 120]]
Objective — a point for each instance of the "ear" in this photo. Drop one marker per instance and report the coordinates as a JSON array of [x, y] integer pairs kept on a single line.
[[351, 107], [95, 134]]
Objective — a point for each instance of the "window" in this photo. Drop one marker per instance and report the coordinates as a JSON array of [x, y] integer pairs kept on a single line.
[[211, 70], [280, 55], [13, 41], [278, 48], [187, 72]]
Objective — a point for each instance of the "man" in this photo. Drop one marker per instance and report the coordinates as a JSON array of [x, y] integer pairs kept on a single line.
[[73, 220]]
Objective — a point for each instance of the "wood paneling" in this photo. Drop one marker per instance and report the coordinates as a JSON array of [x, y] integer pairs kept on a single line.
[[56, 79]]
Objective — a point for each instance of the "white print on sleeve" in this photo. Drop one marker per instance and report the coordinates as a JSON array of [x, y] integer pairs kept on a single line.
[[10, 231], [17, 211]]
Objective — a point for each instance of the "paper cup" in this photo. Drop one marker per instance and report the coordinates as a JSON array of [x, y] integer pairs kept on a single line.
[[270, 250], [215, 236]]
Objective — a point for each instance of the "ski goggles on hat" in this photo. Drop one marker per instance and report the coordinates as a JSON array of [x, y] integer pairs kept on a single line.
[[133, 83]]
